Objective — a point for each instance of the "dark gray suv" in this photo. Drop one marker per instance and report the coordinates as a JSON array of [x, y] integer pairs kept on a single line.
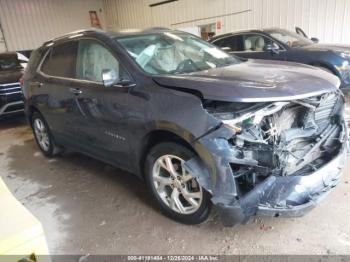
[[198, 125]]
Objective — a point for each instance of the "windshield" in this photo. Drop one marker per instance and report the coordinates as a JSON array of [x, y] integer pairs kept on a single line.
[[9, 62], [289, 38], [174, 53]]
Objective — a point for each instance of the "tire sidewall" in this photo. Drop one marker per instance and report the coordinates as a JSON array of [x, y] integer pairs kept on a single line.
[[177, 150]]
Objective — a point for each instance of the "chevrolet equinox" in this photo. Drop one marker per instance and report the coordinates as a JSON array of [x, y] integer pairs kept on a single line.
[[200, 126]]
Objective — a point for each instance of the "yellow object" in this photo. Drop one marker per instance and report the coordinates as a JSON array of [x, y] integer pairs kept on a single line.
[[21, 234]]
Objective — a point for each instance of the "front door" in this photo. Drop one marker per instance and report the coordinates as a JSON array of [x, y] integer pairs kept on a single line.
[[101, 112]]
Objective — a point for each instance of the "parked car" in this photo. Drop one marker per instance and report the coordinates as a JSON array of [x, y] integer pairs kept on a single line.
[[199, 125], [284, 45], [11, 71]]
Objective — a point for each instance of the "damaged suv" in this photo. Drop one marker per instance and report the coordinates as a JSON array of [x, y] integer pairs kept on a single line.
[[200, 126]]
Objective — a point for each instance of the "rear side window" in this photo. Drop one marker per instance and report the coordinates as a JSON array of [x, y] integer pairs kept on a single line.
[[234, 43], [60, 61]]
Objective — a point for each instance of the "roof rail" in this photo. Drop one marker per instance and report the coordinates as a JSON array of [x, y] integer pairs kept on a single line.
[[72, 34], [142, 29]]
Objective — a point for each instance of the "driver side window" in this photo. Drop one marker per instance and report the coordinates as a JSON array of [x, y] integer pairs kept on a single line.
[[92, 59]]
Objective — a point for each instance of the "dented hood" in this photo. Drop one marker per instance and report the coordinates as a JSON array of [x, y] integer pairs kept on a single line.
[[255, 81]]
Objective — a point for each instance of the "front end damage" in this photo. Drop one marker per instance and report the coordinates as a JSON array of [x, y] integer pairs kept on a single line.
[[275, 159]]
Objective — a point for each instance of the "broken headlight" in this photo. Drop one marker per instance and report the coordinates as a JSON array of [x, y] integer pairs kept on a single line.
[[254, 117]]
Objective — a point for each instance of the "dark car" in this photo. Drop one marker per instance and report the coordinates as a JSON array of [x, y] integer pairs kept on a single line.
[[283, 45], [11, 71], [199, 125]]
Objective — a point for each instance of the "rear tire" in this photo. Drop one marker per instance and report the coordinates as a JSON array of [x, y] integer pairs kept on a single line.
[[43, 136], [177, 193]]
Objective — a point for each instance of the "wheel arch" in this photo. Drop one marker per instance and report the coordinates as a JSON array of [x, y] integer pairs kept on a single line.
[[30, 111], [157, 136]]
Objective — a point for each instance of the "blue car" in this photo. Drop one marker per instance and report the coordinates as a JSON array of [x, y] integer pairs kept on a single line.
[[284, 45]]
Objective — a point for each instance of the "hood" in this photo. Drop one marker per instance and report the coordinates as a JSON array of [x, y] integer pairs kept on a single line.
[[10, 76], [328, 47], [255, 81]]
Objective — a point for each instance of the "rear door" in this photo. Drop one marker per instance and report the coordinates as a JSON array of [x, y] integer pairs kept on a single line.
[[101, 113], [53, 94]]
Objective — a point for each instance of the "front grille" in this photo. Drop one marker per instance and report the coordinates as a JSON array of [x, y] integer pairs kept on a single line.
[[10, 89], [11, 99], [14, 108]]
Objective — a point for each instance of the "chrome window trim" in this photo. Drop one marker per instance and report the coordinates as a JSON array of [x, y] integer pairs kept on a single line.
[[77, 80]]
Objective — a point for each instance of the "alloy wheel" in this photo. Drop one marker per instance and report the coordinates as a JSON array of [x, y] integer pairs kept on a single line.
[[177, 188], [41, 134]]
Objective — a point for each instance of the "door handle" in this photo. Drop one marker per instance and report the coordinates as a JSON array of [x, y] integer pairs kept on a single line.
[[126, 85], [75, 91], [38, 84]]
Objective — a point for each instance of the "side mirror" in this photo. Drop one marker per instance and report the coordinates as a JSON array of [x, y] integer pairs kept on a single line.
[[315, 40], [109, 77], [273, 48]]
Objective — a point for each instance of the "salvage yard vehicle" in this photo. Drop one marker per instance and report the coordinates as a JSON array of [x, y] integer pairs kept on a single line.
[[284, 45], [199, 125], [11, 71]]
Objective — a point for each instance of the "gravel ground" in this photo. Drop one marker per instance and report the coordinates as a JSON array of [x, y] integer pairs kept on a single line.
[[88, 207]]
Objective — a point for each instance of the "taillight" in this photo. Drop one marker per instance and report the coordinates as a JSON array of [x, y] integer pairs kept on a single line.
[[21, 82]]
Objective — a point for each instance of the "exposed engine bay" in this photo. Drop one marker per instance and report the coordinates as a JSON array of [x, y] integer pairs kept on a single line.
[[292, 138]]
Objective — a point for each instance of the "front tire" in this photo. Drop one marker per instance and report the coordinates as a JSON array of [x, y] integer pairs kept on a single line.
[[43, 136], [176, 191]]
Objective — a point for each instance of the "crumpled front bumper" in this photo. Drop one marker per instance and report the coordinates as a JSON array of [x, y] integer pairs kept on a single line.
[[287, 196]]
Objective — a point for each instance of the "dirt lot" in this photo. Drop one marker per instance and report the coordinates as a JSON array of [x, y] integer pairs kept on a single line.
[[87, 206]]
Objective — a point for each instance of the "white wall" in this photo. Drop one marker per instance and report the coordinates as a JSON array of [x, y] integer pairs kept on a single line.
[[28, 23], [328, 20]]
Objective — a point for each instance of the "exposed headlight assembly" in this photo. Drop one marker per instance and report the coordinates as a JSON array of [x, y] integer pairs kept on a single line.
[[250, 118]]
